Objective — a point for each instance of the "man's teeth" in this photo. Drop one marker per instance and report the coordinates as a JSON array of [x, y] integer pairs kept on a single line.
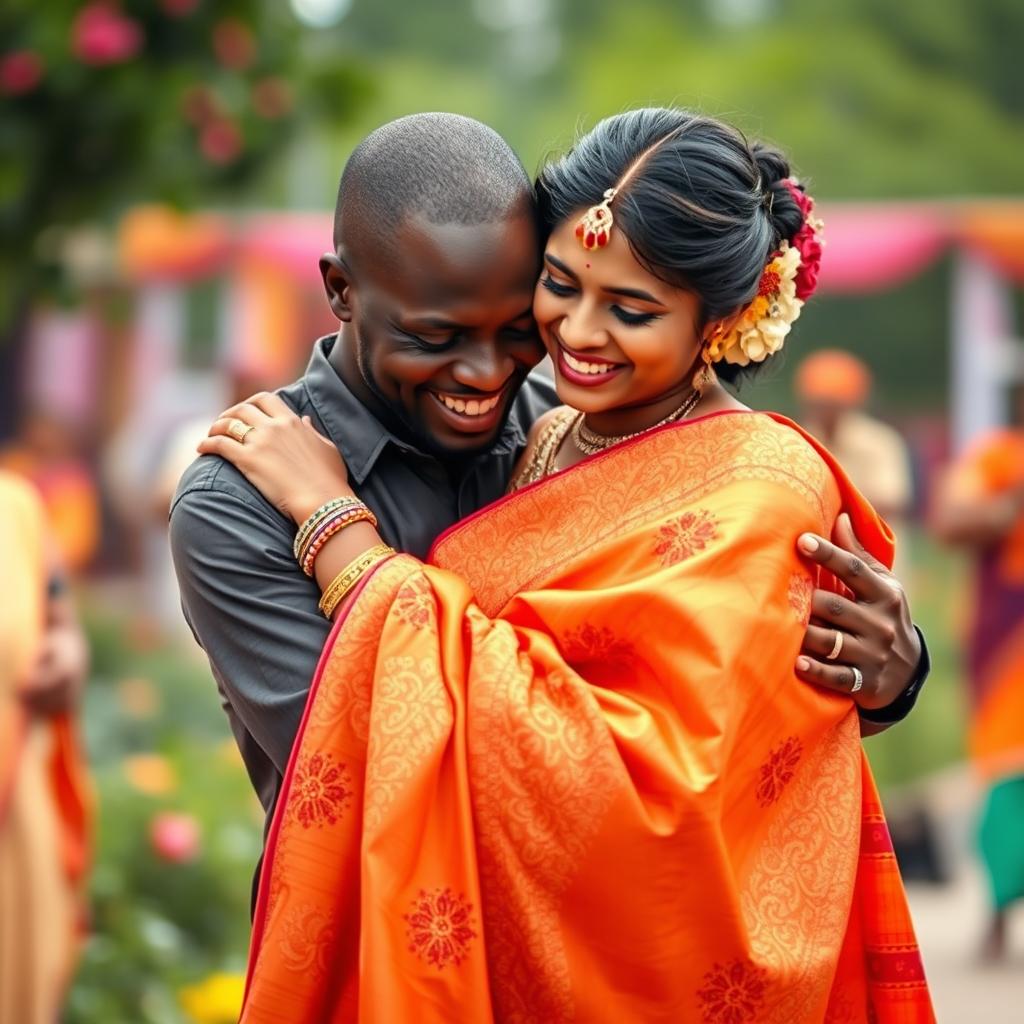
[[474, 407], [581, 367]]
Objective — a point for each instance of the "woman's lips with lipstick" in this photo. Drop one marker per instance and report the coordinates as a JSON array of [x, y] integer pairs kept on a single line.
[[587, 373]]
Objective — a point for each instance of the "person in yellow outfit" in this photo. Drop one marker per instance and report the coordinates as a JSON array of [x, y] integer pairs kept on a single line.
[[43, 806]]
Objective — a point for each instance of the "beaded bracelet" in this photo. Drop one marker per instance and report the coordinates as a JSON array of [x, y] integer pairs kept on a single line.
[[332, 525], [310, 524], [340, 586]]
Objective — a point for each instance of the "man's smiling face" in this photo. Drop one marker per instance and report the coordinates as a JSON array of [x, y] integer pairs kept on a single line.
[[444, 332]]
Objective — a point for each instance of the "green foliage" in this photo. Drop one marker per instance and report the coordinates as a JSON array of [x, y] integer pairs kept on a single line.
[[191, 108], [158, 926]]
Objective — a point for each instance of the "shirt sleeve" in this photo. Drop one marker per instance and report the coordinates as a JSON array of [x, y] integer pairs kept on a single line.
[[251, 609]]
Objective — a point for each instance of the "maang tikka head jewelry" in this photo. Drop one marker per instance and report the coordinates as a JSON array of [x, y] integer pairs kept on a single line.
[[594, 228]]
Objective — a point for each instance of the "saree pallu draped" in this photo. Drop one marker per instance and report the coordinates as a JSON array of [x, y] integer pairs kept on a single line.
[[42, 791], [566, 772], [995, 655]]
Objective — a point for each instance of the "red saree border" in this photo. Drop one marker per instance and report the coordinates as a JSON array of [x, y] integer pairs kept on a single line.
[[262, 893]]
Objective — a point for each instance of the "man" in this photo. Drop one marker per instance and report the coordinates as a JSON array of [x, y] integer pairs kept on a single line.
[[425, 391]]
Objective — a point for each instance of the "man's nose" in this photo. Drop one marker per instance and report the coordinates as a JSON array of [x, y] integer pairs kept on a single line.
[[487, 366]]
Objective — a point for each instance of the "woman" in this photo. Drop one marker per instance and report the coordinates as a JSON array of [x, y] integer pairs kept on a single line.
[[981, 509], [564, 770], [43, 794]]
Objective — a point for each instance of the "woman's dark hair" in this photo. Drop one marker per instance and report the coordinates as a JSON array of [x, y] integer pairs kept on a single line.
[[703, 210]]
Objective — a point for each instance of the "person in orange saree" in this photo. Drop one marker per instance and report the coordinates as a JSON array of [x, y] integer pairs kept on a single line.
[[981, 508], [564, 770], [43, 662]]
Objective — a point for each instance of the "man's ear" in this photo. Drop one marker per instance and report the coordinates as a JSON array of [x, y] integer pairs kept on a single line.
[[338, 285]]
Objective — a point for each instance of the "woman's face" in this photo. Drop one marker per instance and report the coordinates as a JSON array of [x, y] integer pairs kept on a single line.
[[619, 337]]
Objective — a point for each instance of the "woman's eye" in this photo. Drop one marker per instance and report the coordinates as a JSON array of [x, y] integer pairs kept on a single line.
[[634, 319], [555, 287]]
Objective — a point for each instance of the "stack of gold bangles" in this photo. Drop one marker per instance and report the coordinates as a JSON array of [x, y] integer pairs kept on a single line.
[[343, 583], [329, 519]]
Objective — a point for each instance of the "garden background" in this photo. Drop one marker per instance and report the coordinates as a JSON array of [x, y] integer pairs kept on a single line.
[[142, 139]]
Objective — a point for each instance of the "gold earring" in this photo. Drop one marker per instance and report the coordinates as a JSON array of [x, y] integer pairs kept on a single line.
[[705, 377]]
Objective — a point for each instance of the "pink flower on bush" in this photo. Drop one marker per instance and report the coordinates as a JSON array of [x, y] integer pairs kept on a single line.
[[234, 43], [101, 35], [220, 141], [20, 72], [174, 837], [807, 242]]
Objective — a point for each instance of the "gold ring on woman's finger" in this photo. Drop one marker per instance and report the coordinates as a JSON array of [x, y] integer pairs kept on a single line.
[[239, 430], [836, 647]]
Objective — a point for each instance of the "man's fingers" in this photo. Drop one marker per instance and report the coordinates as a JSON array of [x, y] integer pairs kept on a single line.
[[831, 609], [820, 641], [838, 678], [848, 566], [846, 538]]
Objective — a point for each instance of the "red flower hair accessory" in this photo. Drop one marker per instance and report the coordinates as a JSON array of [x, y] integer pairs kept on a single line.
[[807, 241]]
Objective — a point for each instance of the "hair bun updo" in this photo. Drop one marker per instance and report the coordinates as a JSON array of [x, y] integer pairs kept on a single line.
[[785, 215]]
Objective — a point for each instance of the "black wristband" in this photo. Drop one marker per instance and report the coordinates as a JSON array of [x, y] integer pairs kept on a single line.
[[904, 703]]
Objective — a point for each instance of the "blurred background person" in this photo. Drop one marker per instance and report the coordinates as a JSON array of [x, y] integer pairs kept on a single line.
[[43, 663], [45, 452], [980, 508], [832, 388]]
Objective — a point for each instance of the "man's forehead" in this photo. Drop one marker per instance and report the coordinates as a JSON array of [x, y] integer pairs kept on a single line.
[[434, 261]]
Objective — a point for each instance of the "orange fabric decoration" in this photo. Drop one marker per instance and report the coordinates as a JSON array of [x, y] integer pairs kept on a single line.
[[565, 772], [832, 375]]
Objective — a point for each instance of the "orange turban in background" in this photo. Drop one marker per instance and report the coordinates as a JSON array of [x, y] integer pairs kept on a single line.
[[833, 375]]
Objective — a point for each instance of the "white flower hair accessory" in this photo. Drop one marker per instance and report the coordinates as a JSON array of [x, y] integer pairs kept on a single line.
[[762, 328]]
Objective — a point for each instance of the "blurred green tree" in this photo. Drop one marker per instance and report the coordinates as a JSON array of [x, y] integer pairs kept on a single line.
[[106, 103]]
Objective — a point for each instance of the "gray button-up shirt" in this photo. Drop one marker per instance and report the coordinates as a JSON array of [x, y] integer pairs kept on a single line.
[[248, 603]]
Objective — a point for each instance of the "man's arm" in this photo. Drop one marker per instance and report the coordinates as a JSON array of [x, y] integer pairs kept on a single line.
[[251, 609]]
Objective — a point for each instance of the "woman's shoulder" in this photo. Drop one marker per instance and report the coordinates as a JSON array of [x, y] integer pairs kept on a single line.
[[765, 449]]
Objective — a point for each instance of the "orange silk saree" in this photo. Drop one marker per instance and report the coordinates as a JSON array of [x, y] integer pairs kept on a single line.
[[565, 772]]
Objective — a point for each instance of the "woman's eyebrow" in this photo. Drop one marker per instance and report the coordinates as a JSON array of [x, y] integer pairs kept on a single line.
[[634, 293], [560, 266]]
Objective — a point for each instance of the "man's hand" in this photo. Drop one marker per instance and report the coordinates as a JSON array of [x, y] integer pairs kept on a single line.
[[55, 681], [877, 634]]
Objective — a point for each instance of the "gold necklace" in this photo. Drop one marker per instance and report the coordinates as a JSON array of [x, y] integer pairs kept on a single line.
[[590, 443]]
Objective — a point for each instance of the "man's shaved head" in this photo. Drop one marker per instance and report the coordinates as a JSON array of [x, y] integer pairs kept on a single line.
[[441, 168]]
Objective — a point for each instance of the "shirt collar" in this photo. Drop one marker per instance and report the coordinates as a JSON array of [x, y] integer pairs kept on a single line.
[[355, 430]]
